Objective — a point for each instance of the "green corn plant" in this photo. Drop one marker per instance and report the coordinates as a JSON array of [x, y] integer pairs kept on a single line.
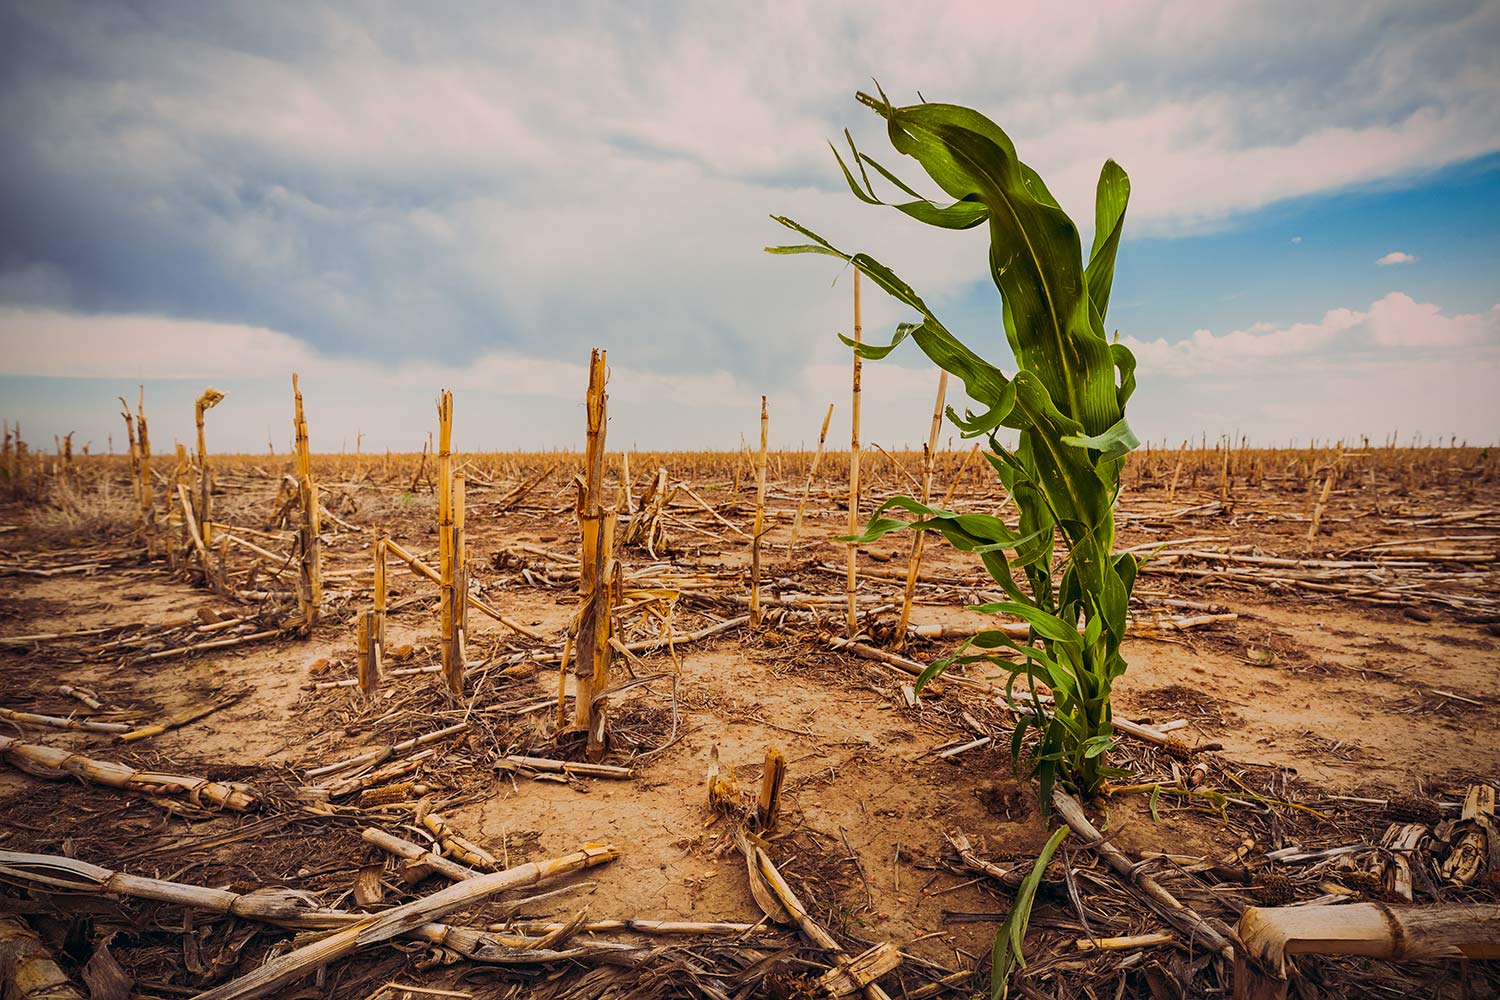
[[1066, 401]]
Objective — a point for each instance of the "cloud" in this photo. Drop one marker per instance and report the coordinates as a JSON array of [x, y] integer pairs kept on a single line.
[[1206, 352], [506, 400], [385, 184], [1397, 366], [1399, 321], [1396, 257], [1296, 240], [1394, 321]]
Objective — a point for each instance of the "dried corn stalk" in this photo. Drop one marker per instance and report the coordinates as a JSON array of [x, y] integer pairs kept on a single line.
[[599, 571], [210, 398], [309, 564], [27, 969], [53, 762]]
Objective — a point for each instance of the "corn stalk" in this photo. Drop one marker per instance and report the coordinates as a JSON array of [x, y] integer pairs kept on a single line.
[[1066, 403]]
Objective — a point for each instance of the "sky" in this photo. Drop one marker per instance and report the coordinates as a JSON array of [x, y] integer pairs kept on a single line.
[[392, 199]]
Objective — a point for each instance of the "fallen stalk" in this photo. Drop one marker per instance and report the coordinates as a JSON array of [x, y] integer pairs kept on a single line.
[[383, 753], [419, 860], [167, 654], [288, 968], [56, 722], [293, 909], [52, 762], [571, 768], [1403, 933], [1160, 900], [632, 925], [850, 974], [179, 720], [422, 569]]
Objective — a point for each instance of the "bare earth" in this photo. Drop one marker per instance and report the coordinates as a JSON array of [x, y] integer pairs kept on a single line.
[[1309, 694]]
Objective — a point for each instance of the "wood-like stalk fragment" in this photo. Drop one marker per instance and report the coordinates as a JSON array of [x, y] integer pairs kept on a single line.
[[1269, 935], [27, 969], [1317, 514], [1176, 473], [54, 762], [568, 767], [768, 803], [1010, 877], [242, 640], [1163, 902], [147, 499], [179, 719], [274, 905], [1126, 943], [420, 861], [929, 457], [812, 472], [454, 844], [371, 664], [135, 451], [598, 571], [760, 520], [850, 974], [448, 643], [310, 526], [210, 398], [851, 582], [288, 968], [690, 927], [427, 572], [57, 722], [190, 521], [562, 682], [379, 754], [87, 697]]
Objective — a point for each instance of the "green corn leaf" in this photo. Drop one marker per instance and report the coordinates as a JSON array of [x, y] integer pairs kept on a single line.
[[1066, 402], [1125, 365], [1093, 630], [1035, 254], [878, 352], [1007, 954], [864, 194], [1054, 674], [1110, 199], [1046, 625], [983, 382], [1118, 440], [1096, 745]]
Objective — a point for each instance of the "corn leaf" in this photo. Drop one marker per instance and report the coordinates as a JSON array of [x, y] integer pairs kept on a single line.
[[1006, 954]]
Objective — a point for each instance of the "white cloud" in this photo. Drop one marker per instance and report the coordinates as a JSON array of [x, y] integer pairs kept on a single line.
[[69, 345], [1396, 257], [1397, 366], [1394, 321], [1296, 240], [1399, 321], [1206, 352]]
